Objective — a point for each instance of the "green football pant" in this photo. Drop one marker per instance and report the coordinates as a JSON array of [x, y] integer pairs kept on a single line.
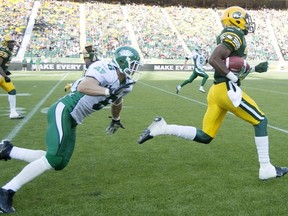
[[60, 136]]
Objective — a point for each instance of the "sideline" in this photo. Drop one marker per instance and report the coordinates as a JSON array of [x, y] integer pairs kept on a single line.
[[204, 104], [19, 126]]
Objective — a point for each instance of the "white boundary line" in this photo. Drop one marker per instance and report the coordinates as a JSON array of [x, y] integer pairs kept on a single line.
[[204, 104], [19, 126]]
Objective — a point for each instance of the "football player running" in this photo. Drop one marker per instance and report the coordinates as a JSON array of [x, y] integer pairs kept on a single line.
[[200, 59], [5, 81], [225, 95], [104, 84]]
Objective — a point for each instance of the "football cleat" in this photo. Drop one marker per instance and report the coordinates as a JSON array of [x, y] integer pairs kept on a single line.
[[6, 201], [157, 127], [5, 149], [202, 89], [178, 89], [272, 172], [281, 171], [16, 116]]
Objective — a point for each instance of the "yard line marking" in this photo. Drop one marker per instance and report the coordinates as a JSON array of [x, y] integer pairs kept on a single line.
[[173, 76], [18, 94], [265, 90], [204, 104], [19, 126]]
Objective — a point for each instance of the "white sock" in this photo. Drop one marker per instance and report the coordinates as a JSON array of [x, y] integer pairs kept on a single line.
[[26, 154], [262, 144], [12, 103], [186, 132], [29, 172]]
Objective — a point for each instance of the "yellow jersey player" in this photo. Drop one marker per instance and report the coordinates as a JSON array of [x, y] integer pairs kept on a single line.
[[89, 57], [5, 82], [225, 95]]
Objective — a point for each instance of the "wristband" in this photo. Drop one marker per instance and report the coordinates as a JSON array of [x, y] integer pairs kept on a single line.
[[232, 77], [107, 92], [116, 119]]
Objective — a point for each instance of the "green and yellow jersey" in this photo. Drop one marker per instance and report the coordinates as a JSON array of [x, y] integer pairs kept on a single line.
[[6, 55], [233, 38], [90, 57]]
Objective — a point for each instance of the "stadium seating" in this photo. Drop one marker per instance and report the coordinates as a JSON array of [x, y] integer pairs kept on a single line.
[[159, 32]]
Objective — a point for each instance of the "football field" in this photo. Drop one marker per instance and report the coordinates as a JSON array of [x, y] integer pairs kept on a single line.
[[112, 175]]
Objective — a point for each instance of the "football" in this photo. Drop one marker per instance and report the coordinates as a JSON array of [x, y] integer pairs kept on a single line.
[[235, 63]]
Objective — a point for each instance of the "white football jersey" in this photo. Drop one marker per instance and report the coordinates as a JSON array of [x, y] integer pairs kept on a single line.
[[198, 59], [83, 105]]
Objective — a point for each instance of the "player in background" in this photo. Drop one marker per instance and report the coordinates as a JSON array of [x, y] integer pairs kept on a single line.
[[6, 51], [226, 96], [104, 84], [199, 58], [89, 57]]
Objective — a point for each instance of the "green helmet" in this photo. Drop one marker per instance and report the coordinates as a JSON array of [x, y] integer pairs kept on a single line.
[[127, 59]]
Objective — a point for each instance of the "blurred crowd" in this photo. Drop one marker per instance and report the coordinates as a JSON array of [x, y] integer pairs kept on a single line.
[[160, 32], [14, 18]]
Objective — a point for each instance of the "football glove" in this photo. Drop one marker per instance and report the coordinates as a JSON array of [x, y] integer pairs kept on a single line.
[[243, 73], [119, 90], [113, 127], [7, 79], [262, 67], [8, 73], [68, 86]]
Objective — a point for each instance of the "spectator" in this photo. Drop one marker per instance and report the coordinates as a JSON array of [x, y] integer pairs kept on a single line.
[[24, 64]]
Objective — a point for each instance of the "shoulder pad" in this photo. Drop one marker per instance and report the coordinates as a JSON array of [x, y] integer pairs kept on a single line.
[[3, 54], [231, 38]]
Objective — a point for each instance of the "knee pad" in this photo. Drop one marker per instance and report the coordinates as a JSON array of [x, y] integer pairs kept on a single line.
[[202, 137], [261, 128], [12, 92], [57, 162]]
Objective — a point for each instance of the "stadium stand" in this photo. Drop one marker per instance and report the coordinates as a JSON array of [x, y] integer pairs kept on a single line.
[[61, 29], [15, 20]]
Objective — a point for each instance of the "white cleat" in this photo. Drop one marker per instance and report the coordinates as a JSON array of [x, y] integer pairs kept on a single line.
[[157, 127], [202, 89], [178, 89], [272, 172], [16, 116]]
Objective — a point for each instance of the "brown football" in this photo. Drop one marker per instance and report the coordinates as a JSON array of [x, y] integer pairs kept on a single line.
[[235, 63]]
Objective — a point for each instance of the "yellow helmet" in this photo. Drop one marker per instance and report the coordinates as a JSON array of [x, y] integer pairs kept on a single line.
[[88, 44], [238, 17], [6, 39]]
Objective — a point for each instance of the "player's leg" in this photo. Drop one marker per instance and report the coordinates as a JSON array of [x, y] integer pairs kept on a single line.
[[64, 134], [185, 82], [212, 121], [249, 111], [205, 77], [59, 151], [9, 151], [10, 89]]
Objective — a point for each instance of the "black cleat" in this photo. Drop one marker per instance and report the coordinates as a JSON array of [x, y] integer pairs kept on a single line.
[[281, 171], [6, 200], [144, 136], [157, 127], [5, 149]]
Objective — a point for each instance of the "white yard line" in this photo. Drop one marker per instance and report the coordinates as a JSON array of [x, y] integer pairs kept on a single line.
[[20, 125], [204, 104]]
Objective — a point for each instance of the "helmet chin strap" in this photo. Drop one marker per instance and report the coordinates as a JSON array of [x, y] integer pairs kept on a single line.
[[121, 76]]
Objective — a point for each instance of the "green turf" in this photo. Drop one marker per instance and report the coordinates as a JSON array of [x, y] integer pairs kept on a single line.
[[113, 175]]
